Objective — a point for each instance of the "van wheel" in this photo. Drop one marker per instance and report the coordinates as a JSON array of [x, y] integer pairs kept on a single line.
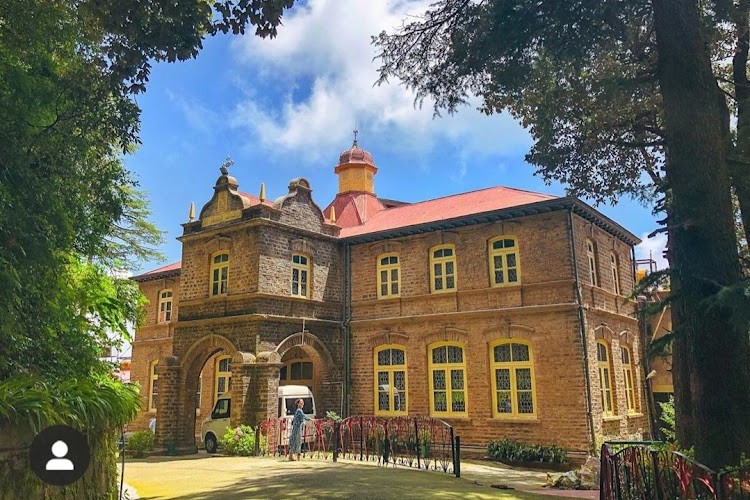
[[210, 443]]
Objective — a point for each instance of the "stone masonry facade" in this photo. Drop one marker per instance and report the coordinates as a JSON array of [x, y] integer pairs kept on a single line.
[[556, 308]]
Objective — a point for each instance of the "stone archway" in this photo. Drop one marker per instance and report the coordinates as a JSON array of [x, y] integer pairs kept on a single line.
[[176, 421], [325, 374]]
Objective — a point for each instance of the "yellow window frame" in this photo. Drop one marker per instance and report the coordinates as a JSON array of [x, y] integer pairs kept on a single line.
[[443, 262], [219, 374], [165, 299], [503, 254], [613, 263], [388, 268], [153, 377], [301, 268], [447, 367], [512, 366], [627, 373], [219, 274], [605, 378], [390, 369]]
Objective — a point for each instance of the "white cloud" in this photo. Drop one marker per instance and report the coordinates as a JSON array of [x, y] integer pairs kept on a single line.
[[653, 248], [326, 44], [198, 116]]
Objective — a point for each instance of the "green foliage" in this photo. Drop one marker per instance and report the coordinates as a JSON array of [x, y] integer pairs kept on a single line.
[[668, 420], [332, 415], [505, 450], [140, 443], [97, 402], [239, 441]]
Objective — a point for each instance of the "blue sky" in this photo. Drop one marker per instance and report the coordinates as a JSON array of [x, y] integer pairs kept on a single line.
[[285, 108]]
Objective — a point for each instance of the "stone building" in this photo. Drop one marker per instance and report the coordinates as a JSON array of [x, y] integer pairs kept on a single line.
[[501, 311]]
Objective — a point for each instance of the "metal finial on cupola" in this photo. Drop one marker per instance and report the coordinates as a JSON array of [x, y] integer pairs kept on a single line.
[[356, 133], [224, 168]]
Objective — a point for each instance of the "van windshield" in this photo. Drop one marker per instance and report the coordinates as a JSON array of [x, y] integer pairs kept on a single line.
[[291, 405]]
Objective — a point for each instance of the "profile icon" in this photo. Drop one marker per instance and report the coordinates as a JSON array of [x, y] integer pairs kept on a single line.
[[59, 455], [59, 450]]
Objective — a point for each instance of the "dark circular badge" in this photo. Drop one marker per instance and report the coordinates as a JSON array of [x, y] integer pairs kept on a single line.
[[59, 455]]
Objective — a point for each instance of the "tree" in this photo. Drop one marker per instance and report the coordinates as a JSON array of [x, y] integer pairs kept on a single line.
[[600, 87], [70, 212]]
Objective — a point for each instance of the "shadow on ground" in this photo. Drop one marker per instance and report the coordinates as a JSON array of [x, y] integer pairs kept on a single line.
[[241, 478]]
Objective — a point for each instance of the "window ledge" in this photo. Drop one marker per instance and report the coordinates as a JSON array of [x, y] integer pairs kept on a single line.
[[459, 419], [389, 297], [513, 420], [611, 418], [635, 415]]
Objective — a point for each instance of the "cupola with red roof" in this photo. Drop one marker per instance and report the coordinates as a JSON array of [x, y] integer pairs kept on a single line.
[[356, 170]]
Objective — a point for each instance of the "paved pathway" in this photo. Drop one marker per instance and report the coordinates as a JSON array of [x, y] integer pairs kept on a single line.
[[200, 476]]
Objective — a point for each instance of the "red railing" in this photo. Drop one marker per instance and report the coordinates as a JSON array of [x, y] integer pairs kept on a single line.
[[419, 442], [646, 470]]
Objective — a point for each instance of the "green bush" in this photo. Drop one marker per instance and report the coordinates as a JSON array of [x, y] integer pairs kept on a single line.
[[667, 420], [140, 442], [239, 441], [505, 450]]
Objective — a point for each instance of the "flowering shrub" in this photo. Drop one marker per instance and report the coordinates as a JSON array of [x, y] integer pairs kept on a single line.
[[239, 441]]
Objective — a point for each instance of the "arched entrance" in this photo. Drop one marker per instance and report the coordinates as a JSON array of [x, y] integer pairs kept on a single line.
[[306, 361], [176, 421]]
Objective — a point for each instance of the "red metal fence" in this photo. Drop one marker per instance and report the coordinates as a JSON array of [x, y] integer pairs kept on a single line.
[[647, 470], [419, 442]]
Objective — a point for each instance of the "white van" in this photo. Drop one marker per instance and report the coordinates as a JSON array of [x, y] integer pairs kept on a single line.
[[215, 426]]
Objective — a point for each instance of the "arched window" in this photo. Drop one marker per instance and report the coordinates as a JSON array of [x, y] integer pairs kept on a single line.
[[297, 372], [591, 257], [165, 306], [300, 275], [223, 376], [505, 267], [605, 376], [627, 374], [447, 366], [615, 273], [153, 385], [219, 274], [443, 268], [389, 276], [513, 385], [390, 380]]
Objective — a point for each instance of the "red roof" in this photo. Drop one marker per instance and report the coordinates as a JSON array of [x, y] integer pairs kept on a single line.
[[253, 200], [448, 207], [174, 266], [354, 208]]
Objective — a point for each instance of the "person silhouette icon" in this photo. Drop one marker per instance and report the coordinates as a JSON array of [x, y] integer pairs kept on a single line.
[[59, 449]]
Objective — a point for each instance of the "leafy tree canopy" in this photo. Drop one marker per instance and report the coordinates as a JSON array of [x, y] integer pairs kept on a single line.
[[70, 213]]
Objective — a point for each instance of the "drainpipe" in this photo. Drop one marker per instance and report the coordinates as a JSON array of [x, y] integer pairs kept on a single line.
[[581, 327], [346, 331]]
